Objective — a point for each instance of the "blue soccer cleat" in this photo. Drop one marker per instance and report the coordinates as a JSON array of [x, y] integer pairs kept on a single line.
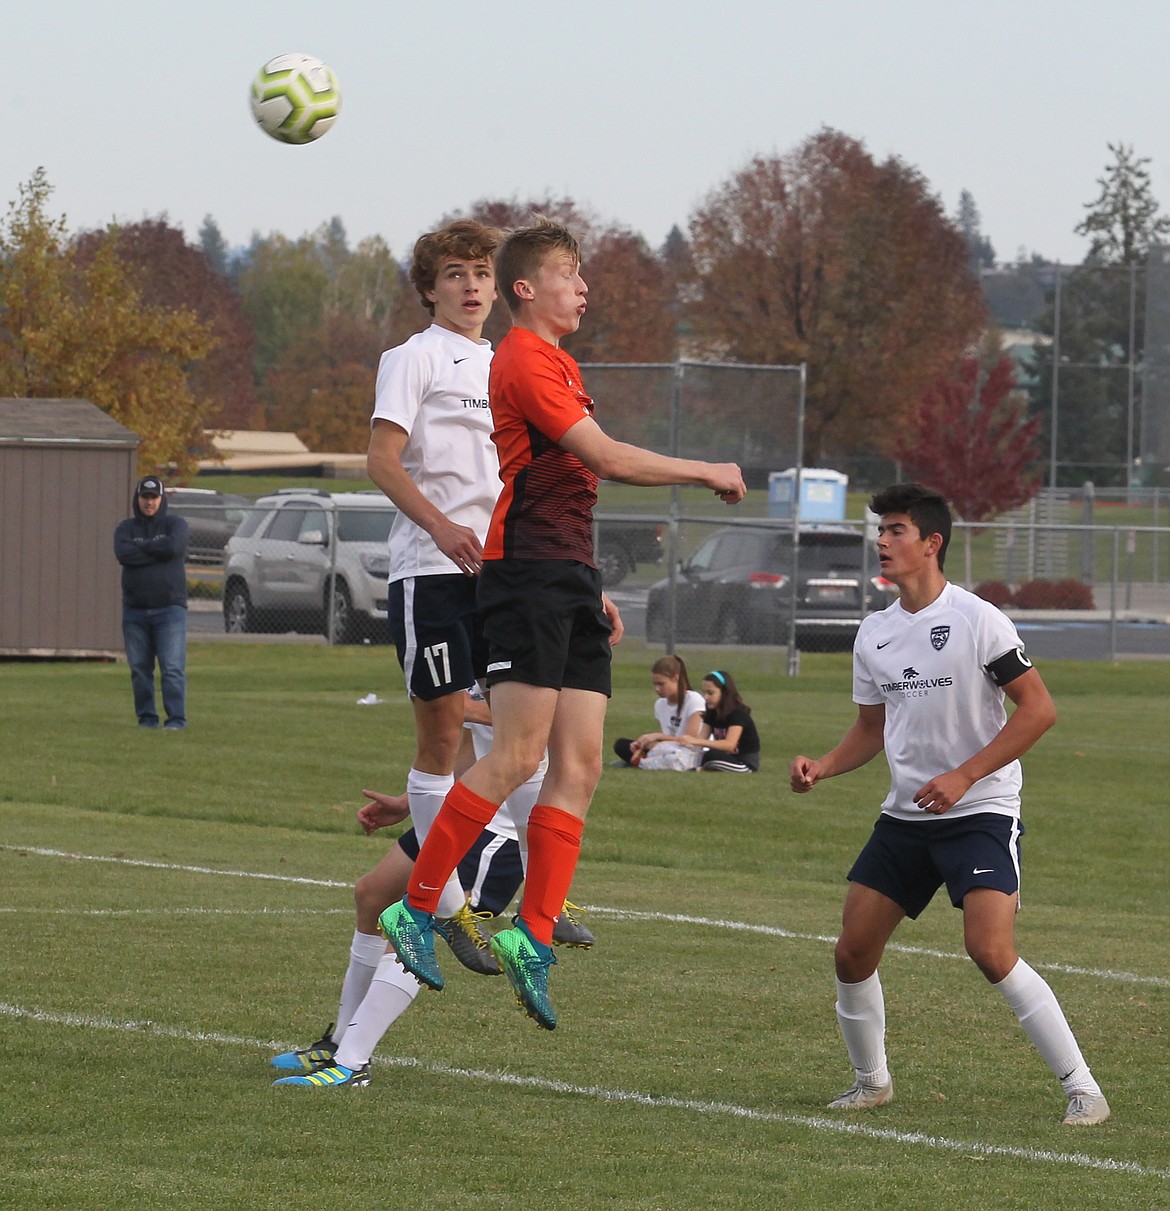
[[526, 967], [332, 1074]]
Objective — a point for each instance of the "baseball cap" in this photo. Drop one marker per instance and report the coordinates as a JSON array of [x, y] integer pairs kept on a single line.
[[150, 486]]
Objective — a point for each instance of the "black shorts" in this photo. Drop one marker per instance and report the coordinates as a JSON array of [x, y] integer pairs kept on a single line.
[[544, 624], [909, 862], [491, 871], [434, 626]]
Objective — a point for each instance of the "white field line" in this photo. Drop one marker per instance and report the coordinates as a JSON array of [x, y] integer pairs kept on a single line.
[[603, 1094], [611, 914]]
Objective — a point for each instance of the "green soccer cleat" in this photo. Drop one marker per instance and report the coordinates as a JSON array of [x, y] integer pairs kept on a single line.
[[333, 1074], [413, 937], [527, 970], [305, 1059]]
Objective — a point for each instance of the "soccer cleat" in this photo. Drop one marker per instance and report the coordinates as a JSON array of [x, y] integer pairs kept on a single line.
[[308, 1058], [469, 944], [568, 931], [528, 973], [331, 1074], [863, 1097], [413, 941], [1085, 1110]]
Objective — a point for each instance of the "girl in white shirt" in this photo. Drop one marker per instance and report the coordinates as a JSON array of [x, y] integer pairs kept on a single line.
[[679, 712]]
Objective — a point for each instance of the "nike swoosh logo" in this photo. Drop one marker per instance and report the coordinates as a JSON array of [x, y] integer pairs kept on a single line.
[[983, 870], [884, 645], [428, 887], [460, 359]]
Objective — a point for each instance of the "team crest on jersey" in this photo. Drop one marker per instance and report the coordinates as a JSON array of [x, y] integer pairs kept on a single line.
[[939, 637]]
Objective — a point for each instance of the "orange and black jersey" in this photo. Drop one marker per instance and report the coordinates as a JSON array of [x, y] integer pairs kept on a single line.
[[545, 510]]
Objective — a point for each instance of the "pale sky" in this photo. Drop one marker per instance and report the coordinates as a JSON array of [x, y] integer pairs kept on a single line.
[[636, 109]]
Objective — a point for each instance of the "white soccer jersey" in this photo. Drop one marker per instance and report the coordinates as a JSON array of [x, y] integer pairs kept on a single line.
[[930, 671], [435, 387], [671, 720]]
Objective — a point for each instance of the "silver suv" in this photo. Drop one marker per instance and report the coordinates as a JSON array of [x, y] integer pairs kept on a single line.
[[309, 560]]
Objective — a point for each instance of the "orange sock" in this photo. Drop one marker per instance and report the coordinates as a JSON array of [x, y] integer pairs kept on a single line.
[[460, 820], [554, 844]]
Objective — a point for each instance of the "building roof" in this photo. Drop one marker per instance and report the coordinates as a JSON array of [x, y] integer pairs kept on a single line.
[[42, 422], [257, 450]]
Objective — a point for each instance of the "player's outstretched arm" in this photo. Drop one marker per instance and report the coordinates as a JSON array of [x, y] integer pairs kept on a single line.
[[861, 743], [384, 466], [626, 464]]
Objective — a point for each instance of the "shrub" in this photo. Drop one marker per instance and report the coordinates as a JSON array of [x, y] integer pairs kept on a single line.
[[995, 591], [1054, 595]]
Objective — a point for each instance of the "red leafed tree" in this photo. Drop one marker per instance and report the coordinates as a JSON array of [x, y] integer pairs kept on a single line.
[[970, 437]]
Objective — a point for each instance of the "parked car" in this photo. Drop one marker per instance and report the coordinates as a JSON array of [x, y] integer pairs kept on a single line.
[[212, 518], [623, 543], [309, 560], [737, 587]]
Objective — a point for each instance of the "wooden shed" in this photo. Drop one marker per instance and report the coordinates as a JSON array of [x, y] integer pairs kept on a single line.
[[67, 476]]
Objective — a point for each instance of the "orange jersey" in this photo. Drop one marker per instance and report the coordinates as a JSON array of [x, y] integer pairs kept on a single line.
[[545, 510]]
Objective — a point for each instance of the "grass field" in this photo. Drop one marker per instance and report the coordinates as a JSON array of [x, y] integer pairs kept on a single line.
[[176, 907]]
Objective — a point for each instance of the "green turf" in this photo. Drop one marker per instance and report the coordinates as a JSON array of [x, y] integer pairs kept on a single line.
[[143, 994]]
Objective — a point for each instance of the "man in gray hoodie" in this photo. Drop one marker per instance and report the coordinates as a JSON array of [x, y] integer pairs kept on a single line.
[[151, 546]]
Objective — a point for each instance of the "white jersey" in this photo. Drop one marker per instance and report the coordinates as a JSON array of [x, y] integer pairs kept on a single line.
[[671, 720], [929, 670], [435, 387]]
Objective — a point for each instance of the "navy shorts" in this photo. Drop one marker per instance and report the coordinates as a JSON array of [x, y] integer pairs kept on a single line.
[[544, 624], [491, 871], [909, 862], [434, 626]]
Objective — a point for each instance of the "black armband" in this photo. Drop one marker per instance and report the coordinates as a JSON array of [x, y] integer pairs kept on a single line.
[[1006, 668]]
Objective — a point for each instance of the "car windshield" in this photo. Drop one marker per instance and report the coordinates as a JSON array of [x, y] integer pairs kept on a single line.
[[364, 525]]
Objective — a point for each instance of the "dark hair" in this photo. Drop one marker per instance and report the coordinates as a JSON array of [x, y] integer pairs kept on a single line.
[[463, 240], [925, 507], [524, 250], [673, 666], [728, 702]]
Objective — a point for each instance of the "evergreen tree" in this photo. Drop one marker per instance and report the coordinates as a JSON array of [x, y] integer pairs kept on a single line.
[[1102, 307]]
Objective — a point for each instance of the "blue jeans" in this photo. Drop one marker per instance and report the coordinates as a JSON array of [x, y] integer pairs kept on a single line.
[[159, 634]]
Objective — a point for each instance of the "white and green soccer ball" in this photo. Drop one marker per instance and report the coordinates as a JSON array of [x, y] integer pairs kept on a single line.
[[295, 98]]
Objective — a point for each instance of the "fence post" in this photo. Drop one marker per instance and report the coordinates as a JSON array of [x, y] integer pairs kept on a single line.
[[1087, 534]]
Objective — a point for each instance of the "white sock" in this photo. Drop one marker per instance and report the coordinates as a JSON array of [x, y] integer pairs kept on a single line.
[[391, 993], [425, 794], [452, 897], [520, 804], [861, 1014], [1039, 1012], [365, 953]]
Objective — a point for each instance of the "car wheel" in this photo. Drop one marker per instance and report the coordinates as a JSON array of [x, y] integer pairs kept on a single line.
[[614, 565], [237, 609], [344, 618], [730, 628]]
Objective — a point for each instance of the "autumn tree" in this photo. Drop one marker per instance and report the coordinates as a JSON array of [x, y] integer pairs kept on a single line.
[[971, 436], [84, 330], [172, 273], [323, 388], [828, 257], [630, 317], [1101, 333]]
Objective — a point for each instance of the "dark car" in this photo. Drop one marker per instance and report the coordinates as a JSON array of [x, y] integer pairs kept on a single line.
[[737, 587], [212, 518]]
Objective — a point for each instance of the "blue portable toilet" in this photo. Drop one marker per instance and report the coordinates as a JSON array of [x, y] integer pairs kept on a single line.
[[822, 494]]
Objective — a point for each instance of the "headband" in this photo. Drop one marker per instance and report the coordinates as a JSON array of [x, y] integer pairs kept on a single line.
[[717, 677]]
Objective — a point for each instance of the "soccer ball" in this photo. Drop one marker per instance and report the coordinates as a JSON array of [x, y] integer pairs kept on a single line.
[[295, 98]]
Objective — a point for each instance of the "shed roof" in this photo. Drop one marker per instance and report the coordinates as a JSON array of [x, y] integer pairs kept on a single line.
[[60, 421]]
